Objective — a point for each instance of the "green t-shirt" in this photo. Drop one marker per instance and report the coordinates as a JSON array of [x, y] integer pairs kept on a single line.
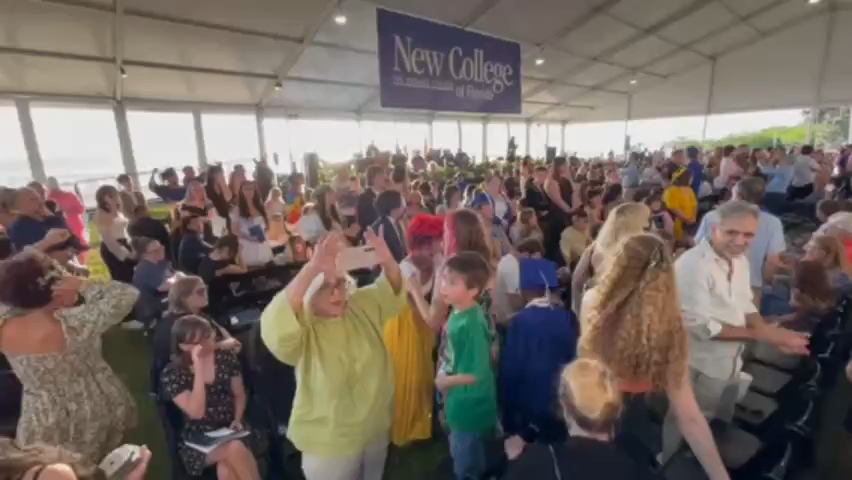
[[470, 408]]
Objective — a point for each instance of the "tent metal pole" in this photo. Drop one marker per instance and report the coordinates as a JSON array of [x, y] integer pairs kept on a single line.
[[527, 137], [459, 131], [709, 105], [484, 140], [562, 138], [200, 146], [626, 143], [124, 141], [25, 119], [823, 69], [261, 133]]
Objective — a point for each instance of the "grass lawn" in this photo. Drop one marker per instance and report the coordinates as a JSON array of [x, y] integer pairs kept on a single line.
[[129, 354]]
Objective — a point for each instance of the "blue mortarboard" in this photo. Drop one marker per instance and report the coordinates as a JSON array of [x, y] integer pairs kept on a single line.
[[538, 274], [480, 199]]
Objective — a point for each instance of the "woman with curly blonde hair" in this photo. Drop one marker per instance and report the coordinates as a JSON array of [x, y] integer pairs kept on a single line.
[[633, 326], [624, 220]]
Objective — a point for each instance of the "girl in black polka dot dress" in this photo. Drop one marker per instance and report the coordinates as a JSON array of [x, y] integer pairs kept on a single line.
[[207, 385]]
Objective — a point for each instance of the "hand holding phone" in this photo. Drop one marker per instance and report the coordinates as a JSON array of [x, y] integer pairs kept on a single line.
[[355, 258]]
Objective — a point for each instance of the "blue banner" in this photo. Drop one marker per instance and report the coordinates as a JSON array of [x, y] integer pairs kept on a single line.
[[432, 66]]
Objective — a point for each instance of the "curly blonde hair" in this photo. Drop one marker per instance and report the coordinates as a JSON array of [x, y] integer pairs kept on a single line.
[[633, 323]]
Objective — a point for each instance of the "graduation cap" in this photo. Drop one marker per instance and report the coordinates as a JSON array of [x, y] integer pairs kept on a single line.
[[538, 274]]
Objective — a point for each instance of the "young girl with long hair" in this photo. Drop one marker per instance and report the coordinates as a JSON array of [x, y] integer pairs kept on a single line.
[[526, 227], [631, 324], [249, 223]]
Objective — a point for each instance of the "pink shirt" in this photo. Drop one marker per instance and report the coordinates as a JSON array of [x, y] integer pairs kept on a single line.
[[727, 169], [73, 209]]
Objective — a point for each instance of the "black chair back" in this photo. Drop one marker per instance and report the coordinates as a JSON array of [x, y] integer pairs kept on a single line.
[[10, 399]]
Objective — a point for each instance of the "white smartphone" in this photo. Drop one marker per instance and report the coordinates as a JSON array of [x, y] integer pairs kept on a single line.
[[355, 258]]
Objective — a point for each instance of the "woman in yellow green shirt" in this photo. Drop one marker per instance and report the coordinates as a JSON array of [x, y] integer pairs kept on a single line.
[[332, 333], [681, 202]]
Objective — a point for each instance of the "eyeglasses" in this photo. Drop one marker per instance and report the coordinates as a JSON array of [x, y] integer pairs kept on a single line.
[[333, 286]]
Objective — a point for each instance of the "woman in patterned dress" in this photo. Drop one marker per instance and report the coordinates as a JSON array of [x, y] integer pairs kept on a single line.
[[206, 384], [51, 335]]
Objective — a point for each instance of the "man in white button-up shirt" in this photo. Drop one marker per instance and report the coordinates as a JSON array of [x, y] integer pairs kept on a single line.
[[714, 286]]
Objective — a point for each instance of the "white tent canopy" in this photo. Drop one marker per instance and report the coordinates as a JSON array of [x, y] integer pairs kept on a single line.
[[604, 60]]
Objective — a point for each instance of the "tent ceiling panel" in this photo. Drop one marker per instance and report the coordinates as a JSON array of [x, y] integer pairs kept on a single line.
[[558, 94], [55, 76], [676, 63], [328, 97], [711, 18], [529, 109], [228, 53], [627, 85], [160, 84], [780, 15], [561, 114], [338, 65], [35, 26], [529, 84], [645, 14], [838, 75], [675, 96], [359, 31], [156, 41], [597, 73], [745, 7], [642, 52], [448, 11], [555, 63], [778, 84], [270, 16], [533, 20], [597, 35], [720, 42]]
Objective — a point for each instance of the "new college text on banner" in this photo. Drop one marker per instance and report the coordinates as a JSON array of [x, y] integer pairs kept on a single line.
[[431, 66]]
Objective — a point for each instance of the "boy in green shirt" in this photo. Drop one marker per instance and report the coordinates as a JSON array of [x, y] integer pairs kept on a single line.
[[468, 374]]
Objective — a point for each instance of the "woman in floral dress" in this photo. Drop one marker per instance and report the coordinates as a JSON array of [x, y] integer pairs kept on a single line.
[[51, 334]]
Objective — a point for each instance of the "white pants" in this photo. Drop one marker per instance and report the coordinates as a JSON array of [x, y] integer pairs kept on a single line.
[[368, 464]]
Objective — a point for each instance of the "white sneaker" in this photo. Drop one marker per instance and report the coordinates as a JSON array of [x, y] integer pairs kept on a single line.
[[133, 325]]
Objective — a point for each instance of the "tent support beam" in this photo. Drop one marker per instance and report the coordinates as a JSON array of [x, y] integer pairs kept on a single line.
[[823, 69], [261, 133], [118, 48], [484, 140], [629, 113], [25, 120], [200, 146], [708, 106], [125, 143]]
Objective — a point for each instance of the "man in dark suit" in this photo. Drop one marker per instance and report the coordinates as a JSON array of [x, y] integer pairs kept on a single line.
[[390, 207], [365, 211]]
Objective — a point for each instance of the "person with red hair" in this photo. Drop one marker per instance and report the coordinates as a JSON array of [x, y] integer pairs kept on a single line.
[[410, 338]]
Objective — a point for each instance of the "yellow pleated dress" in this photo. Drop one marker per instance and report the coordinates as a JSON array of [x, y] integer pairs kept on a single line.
[[410, 342]]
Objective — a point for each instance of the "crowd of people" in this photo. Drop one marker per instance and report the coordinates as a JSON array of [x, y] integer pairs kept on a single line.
[[537, 307]]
